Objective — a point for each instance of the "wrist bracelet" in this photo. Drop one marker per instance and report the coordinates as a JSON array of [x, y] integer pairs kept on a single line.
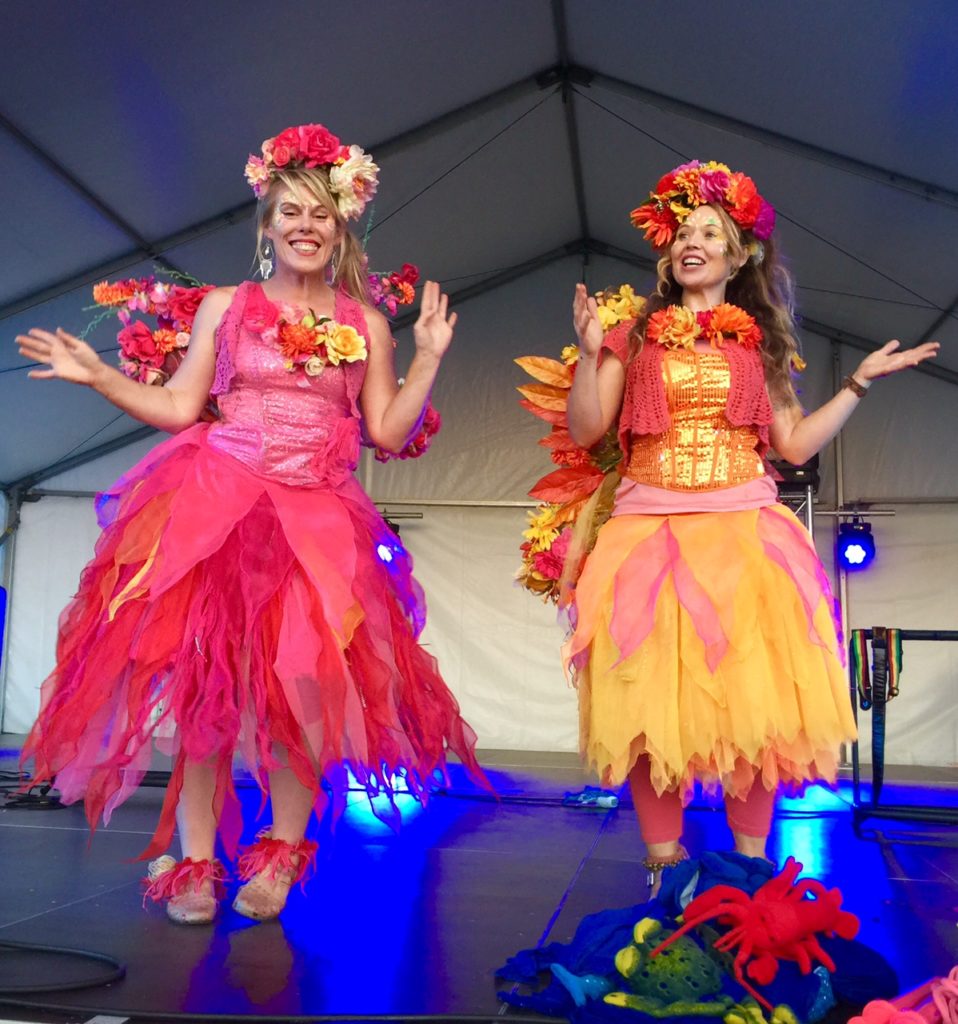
[[856, 389]]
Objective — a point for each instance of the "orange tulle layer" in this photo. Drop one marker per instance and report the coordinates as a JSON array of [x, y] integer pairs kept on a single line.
[[707, 641], [224, 613]]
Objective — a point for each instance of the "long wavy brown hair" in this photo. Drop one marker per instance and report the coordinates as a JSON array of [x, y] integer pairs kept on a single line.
[[314, 182], [762, 287]]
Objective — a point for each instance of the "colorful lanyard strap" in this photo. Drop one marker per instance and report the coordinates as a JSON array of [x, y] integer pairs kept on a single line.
[[890, 637], [858, 658], [886, 653]]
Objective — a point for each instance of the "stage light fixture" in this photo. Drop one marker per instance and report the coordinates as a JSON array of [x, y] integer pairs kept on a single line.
[[389, 547], [856, 545]]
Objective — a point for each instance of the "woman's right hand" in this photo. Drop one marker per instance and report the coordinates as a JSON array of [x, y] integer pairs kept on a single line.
[[67, 357], [585, 318]]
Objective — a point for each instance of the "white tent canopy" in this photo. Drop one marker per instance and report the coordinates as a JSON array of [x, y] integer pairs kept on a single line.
[[514, 137]]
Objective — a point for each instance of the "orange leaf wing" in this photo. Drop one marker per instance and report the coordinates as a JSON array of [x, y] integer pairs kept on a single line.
[[554, 416], [545, 395], [559, 438], [549, 371], [566, 484]]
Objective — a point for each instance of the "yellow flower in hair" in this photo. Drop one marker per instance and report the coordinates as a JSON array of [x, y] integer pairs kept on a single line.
[[344, 344], [542, 529]]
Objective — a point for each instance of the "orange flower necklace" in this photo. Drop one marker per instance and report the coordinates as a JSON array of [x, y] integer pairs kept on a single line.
[[678, 327]]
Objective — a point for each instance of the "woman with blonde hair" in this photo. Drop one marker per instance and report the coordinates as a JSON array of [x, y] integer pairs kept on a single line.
[[704, 645], [238, 601]]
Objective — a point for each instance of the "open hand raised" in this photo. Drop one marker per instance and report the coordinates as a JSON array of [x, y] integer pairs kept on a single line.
[[585, 319], [891, 358], [67, 357], [433, 330]]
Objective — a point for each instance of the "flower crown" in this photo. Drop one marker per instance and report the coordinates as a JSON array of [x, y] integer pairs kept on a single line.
[[696, 184], [353, 177]]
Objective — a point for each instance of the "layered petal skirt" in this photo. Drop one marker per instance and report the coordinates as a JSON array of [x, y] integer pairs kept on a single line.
[[707, 642], [225, 613]]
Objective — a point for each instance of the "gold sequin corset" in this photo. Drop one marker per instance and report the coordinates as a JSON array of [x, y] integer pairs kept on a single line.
[[701, 450]]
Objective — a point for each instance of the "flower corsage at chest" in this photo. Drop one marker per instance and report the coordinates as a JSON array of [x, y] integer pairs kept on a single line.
[[309, 343], [677, 327]]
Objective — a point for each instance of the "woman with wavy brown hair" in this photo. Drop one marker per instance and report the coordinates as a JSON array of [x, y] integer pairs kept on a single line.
[[704, 646]]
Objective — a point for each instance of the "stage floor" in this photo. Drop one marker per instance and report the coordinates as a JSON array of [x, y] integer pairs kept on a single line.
[[415, 924]]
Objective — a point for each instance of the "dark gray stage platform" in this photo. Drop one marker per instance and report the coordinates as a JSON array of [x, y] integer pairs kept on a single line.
[[415, 924]]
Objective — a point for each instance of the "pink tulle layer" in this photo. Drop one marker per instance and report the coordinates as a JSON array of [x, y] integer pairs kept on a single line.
[[227, 613]]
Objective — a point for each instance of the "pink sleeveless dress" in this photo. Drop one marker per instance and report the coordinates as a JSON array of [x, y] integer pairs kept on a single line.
[[246, 595]]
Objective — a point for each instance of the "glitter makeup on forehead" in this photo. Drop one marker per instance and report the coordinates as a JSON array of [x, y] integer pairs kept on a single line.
[[291, 198]]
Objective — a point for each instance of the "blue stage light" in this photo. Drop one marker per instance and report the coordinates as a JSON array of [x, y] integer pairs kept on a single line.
[[856, 545]]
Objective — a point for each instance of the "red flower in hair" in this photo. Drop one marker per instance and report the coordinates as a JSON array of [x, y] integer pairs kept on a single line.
[[658, 223], [743, 199], [317, 145]]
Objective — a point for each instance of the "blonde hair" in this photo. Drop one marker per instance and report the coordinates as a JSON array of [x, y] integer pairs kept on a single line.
[[762, 286], [349, 262]]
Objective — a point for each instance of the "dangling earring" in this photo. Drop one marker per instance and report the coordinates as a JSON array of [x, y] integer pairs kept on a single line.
[[265, 260], [334, 265]]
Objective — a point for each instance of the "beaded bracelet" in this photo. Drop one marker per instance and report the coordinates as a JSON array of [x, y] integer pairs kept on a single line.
[[856, 389]]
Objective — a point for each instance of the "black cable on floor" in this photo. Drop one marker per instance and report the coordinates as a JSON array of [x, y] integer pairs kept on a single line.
[[117, 969], [257, 1018]]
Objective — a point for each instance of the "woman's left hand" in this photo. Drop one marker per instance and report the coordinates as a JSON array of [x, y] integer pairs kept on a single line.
[[433, 330], [891, 358]]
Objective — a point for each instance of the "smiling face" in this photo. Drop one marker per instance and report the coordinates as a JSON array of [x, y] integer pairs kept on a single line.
[[703, 256], [303, 230]]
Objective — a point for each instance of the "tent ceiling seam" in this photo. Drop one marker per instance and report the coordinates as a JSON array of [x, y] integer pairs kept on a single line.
[[780, 213], [841, 161], [393, 145], [568, 106], [83, 191], [576, 74], [24, 483], [939, 321]]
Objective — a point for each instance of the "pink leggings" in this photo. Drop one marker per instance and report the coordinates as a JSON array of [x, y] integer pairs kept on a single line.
[[660, 817]]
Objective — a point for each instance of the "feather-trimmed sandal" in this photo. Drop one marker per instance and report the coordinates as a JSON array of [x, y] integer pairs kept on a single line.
[[270, 867], [191, 888]]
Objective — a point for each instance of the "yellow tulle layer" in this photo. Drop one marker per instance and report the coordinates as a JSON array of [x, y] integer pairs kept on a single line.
[[706, 641]]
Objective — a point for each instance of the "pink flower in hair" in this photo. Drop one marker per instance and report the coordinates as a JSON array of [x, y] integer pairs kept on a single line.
[[282, 154], [257, 174], [765, 221], [353, 175], [712, 186]]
